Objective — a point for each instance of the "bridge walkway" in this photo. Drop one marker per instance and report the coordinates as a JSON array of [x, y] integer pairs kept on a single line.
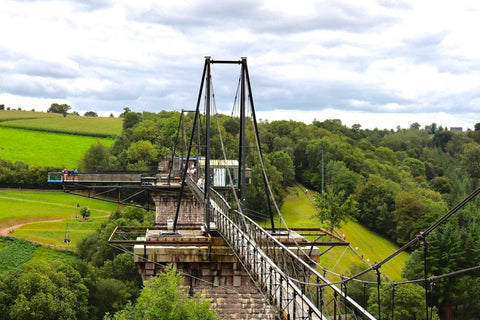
[[288, 279]]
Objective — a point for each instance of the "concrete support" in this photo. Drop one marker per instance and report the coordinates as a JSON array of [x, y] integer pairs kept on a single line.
[[211, 270]]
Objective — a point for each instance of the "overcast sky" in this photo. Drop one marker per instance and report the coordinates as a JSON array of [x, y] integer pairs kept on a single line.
[[376, 63]]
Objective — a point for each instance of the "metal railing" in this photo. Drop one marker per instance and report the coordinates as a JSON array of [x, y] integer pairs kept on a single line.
[[293, 286]]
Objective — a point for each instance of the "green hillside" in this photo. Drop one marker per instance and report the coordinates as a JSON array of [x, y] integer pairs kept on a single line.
[[45, 149], [46, 216], [298, 210], [56, 123], [7, 115], [14, 253], [51, 140]]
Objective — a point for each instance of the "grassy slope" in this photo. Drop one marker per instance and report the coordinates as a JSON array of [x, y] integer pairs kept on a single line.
[[15, 114], [298, 210], [34, 207], [87, 126], [14, 253], [53, 233], [56, 122], [45, 149], [49, 139]]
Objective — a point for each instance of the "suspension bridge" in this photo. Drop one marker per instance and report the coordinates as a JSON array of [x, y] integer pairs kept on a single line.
[[249, 271]]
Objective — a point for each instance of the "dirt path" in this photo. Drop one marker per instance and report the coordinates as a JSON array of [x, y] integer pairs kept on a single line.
[[49, 203], [7, 230]]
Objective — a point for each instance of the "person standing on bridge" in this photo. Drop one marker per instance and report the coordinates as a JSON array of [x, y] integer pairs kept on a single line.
[[191, 171], [201, 183]]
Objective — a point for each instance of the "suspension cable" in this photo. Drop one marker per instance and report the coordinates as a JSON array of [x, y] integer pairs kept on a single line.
[[423, 234], [425, 244]]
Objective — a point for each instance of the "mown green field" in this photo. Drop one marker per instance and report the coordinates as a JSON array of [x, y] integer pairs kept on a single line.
[[15, 114], [54, 233], [298, 210], [33, 209], [14, 253], [83, 126], [45, 149]]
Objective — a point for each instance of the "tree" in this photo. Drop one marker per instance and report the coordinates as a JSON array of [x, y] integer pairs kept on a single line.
[[357, 290], [477, 126], [2, 107], [409, 209], [415, 166], [453, 246], [441, 184], [85, 212], [283, 162], [141, 155], [44, 291], [109, 295], [332, 207], [164, 298], [339, 177], [256, 193], [97, 157], [130, 119], [431, 129], [470, 159], [409, 302], [441, 138], [125, 111], [415, 126], [59, 108], [376, 203], [90, 114]]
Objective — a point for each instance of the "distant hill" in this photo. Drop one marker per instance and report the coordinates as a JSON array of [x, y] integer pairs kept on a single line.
[[46, 216], [49, 139], [104, 127]]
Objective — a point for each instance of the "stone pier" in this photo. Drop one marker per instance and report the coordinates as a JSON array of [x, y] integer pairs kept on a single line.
[[209, 267]]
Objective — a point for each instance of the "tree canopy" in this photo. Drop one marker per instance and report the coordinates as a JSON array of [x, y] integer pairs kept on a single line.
[[59, 108], [165, 298]]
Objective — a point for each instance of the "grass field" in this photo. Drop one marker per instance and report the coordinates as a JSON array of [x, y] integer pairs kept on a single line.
[[15, 114], [34, 208], [14, 253], [83, 126], [54, 233], [298, 210], [45, 149]]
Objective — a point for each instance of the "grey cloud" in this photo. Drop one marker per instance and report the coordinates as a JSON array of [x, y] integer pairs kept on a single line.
[[419, 49], [316, 95], [457, 65], [395, 4], [32, 87], [429, 40], [84, 5], [250, 15], [49, 69]]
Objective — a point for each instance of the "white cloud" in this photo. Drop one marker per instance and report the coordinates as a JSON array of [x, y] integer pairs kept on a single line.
[[384, 59]]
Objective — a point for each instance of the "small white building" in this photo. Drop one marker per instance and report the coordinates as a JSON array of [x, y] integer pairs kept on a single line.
[[225, 172]]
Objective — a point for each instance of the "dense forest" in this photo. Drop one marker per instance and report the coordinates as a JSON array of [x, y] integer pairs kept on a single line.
[[400, 182], [97, 282]]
